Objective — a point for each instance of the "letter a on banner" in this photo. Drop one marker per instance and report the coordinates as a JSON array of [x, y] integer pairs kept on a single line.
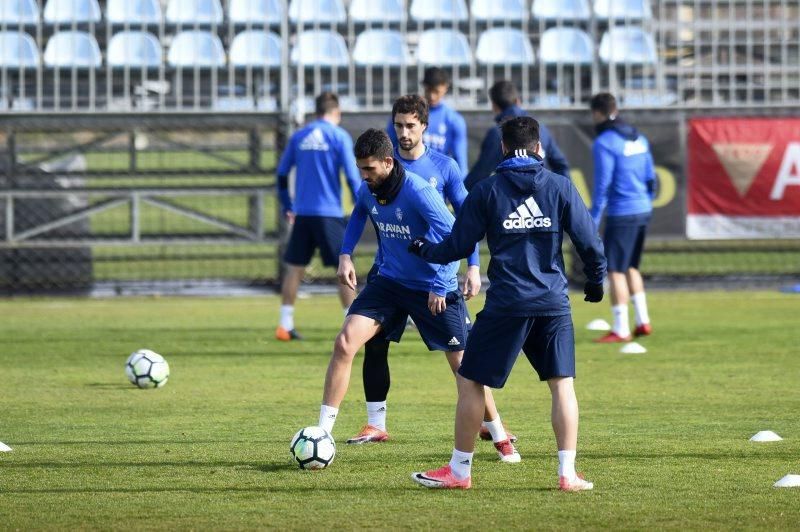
[[789, 174]]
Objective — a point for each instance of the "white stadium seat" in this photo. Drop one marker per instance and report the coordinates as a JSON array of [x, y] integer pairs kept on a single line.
[[623, 9], [381, 48], [133, 12], [68, 49], [499, 10], [439, 11], [134, 49], [256, 49], [19, 12], [196, 48], [69, 11], [629, 46], [320, 48], [377, 11], [317, 11], [566, 45], [256, 12], [444, 47], [577, 10], [190, 12], [504, 46], [18, 50]]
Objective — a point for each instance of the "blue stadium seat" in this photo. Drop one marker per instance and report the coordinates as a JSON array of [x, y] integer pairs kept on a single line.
[[69, 11], [320, 11], [377, 11], [261, 13], [68, 49], [18, 50], [196, 48], [439, 11], [381, 48], [623, 9], [256, 49], [320, 48], [190, 12], [629, 46], [577, 10], [133, 12], [444, 47], [566, 45], [19, 12], [134, 49], [504, 46], [498, 10]]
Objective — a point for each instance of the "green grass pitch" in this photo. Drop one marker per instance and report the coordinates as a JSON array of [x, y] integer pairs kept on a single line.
[[664, 435]]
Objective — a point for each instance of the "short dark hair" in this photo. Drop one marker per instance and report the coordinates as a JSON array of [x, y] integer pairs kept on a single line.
[[373, 143], [604, 103], [435, 76], [411, 104], [520, 133], [503, 94], [325, 103]]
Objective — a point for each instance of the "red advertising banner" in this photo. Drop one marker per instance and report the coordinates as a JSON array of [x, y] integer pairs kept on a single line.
[[743, 178]]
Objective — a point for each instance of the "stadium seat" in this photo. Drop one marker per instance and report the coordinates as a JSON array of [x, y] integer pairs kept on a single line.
[[566, 45], [196, 48], [441, 11], [317, 11], [623, 9], [261, 13], [381, 48], [320, 48], [577, 10], [69, 11], [19, 12], [377, 11], [256, 49], [134, 49], [629, 46], [504, 46], [190, 12], [18, 50], [68, 49], [498, 10], [444, 47], [133, 12]]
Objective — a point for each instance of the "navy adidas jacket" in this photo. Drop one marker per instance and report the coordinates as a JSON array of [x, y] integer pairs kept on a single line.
[[524, 211], [492, 154]]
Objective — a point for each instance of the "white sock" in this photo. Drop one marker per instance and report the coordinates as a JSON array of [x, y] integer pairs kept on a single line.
[[461, 464], [566, 464], [621, 326], [327, 417], [287, 317], [376, 414], [496, 429], [640, 308]]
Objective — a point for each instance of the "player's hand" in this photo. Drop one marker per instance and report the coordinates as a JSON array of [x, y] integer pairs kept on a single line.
[[290, 216], [593, 291], [472, 284], [436, 304], [415, 247], [346, 272]]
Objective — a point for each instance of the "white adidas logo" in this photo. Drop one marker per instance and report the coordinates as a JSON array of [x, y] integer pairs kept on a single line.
[[453, 341], [527, 216], [374, 210], [314, 141]]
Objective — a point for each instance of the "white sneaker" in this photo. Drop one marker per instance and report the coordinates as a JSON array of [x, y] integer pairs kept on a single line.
[[507, 452]]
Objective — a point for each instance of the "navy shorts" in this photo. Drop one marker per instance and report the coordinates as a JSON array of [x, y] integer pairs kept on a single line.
[[312, 232], [496, 340], [389, 303], [624, 241]]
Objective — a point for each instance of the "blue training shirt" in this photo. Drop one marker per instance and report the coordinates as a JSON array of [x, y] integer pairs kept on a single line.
[[417, 210], [446, 133], [319, 151]]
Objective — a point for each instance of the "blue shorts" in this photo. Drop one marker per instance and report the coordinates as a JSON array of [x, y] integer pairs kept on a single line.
[[389, 303], [624, 241], [312, 232], [496, 340]]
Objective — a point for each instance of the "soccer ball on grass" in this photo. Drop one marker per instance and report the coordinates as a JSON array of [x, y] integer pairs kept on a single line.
[[313, 448], [147, 369]]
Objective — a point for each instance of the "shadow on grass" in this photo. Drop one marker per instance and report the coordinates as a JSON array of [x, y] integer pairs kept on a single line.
[[110, 386]]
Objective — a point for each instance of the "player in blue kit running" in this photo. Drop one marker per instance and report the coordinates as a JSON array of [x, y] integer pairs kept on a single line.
[[410, 119], [319, 152], [524, 211], [399, 204], [447, 130]]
